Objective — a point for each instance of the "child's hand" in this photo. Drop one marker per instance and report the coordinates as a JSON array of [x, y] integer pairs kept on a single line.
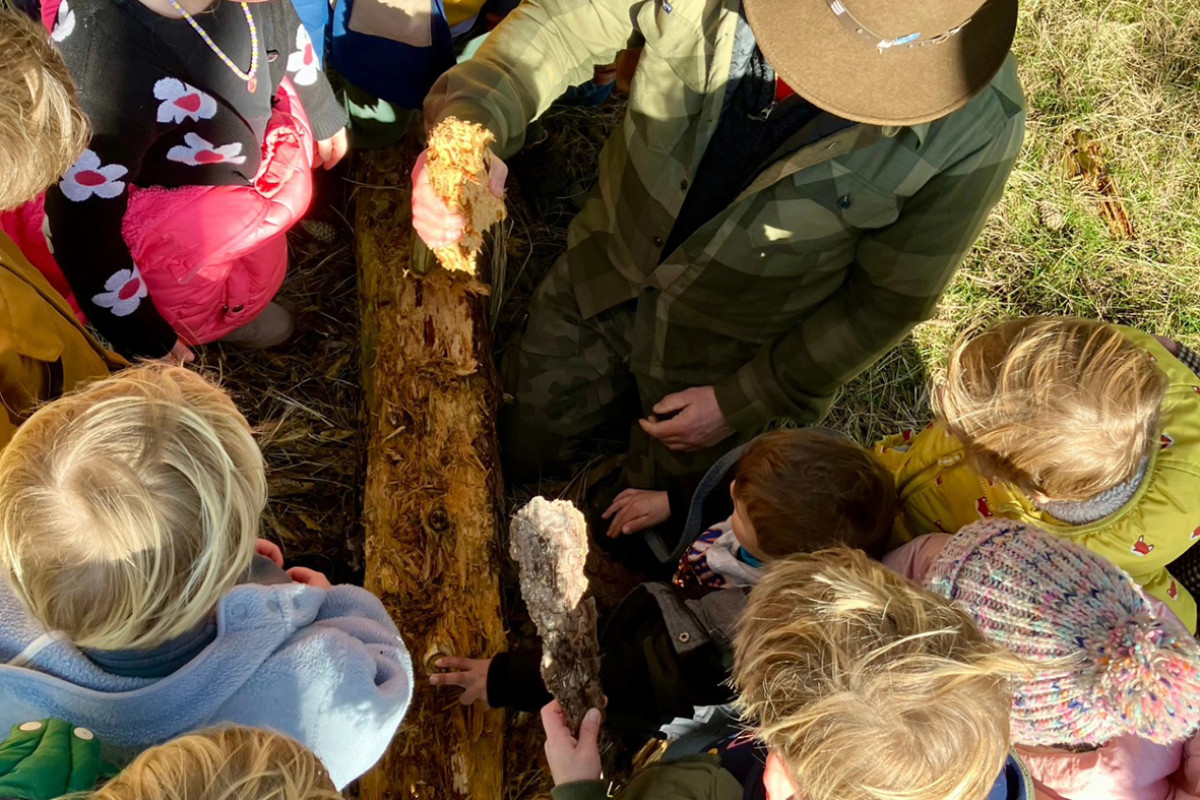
[[330, 151], [469, 673], [309, 577], [635, 510], [180, 354], [571, 759], [269, 550]]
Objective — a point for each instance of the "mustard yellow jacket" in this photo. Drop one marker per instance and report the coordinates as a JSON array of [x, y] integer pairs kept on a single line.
[[44, 350], [940, 492]]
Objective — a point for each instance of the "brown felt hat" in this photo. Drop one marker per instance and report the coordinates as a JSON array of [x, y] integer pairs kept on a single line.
[[885, 62]]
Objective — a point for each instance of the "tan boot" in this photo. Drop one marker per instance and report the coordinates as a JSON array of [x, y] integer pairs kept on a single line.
[[272, 327]]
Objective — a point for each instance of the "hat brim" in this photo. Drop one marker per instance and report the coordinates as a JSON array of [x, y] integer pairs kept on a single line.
[[824, 62]]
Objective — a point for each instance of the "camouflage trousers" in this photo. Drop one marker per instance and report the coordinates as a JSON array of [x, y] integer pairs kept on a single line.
[[570, 378]]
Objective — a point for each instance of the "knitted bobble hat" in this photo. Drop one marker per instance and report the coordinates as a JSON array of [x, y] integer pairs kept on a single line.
[[1112, 666]]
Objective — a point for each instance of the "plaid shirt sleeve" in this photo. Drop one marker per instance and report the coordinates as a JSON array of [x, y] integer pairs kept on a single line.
[[541, 49], [898, 275]]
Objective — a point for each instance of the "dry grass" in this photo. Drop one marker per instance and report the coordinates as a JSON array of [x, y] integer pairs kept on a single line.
[[304, 400], [1127, 72]]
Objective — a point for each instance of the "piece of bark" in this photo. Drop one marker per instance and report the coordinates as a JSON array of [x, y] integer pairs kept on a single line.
[[457, 163], [549, 542], [430, 499]]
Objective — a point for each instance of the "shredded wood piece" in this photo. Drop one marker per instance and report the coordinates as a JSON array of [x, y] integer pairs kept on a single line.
[[457, 164], [1085, 161], [549, 543]]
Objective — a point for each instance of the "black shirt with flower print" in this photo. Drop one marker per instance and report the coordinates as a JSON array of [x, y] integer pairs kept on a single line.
[[165, 111]]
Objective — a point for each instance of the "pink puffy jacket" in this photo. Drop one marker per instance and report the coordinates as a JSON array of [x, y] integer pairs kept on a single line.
[[212, 257]]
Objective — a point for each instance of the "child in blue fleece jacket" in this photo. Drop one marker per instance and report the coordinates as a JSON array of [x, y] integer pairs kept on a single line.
[[129, 519]]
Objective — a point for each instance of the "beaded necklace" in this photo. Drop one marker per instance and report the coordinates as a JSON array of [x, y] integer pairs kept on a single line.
[[251, 75]]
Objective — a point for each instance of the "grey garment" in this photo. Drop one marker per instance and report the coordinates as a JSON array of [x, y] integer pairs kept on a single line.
[[1110, 501], [744, 45], [711, 618]]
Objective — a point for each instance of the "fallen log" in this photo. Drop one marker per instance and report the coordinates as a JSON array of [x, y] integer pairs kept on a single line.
[[432, 485]]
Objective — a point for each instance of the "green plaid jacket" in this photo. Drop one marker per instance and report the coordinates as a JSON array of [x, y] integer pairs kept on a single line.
[[826, 261]]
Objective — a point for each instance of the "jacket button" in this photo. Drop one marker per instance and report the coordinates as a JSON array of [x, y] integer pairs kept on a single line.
[[683, 184], [658, 242], [239, 308], [684, 637], [845, 202]]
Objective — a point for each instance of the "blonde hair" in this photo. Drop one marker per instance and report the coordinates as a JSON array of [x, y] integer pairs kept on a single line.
[[227, 763], [42, 129], [868, 687], [128, 508], [1063, 406]]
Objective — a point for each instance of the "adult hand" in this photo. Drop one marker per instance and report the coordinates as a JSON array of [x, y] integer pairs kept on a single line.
[[570, 759], [180, 354], [309, 577], [269, 550], [434, 221], [469, 673], [635, 510], [330, 151], [697, 422]]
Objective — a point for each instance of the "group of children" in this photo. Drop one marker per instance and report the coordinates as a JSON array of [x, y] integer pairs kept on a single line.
[[998, 606], [1034, 595]]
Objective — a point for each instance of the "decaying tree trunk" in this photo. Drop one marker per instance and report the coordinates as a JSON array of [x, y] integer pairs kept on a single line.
[[549, 542], [431, 490]]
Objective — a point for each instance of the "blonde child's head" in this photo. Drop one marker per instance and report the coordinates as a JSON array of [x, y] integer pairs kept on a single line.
[[1062, 407], [42, 129], [228, 763], [129, 507], [865, 687], [801, 490]]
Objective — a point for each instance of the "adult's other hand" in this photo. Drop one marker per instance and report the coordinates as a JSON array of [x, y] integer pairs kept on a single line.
[[697, 420]]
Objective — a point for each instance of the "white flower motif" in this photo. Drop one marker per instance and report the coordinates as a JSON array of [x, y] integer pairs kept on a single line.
[[198, 152], [182, 101], [64, 22], [303, 63], [123, 292], [89, 177]]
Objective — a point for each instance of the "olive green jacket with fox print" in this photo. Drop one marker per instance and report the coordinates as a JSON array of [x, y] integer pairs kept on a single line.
[[826, 261]]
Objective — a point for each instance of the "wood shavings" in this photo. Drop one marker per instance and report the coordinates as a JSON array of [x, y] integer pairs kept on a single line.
[[457, 164]]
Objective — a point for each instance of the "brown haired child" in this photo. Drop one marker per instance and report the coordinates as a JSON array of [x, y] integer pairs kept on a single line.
[[666, 649]]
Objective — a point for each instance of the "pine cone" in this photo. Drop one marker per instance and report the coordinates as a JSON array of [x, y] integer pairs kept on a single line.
[[1051, 216], [323, 232]]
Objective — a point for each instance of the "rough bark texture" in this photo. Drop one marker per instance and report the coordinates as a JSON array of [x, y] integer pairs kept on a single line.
[[431, 488], [549, 542]]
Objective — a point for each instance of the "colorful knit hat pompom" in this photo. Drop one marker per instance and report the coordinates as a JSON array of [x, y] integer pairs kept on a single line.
[[1110, 664]]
